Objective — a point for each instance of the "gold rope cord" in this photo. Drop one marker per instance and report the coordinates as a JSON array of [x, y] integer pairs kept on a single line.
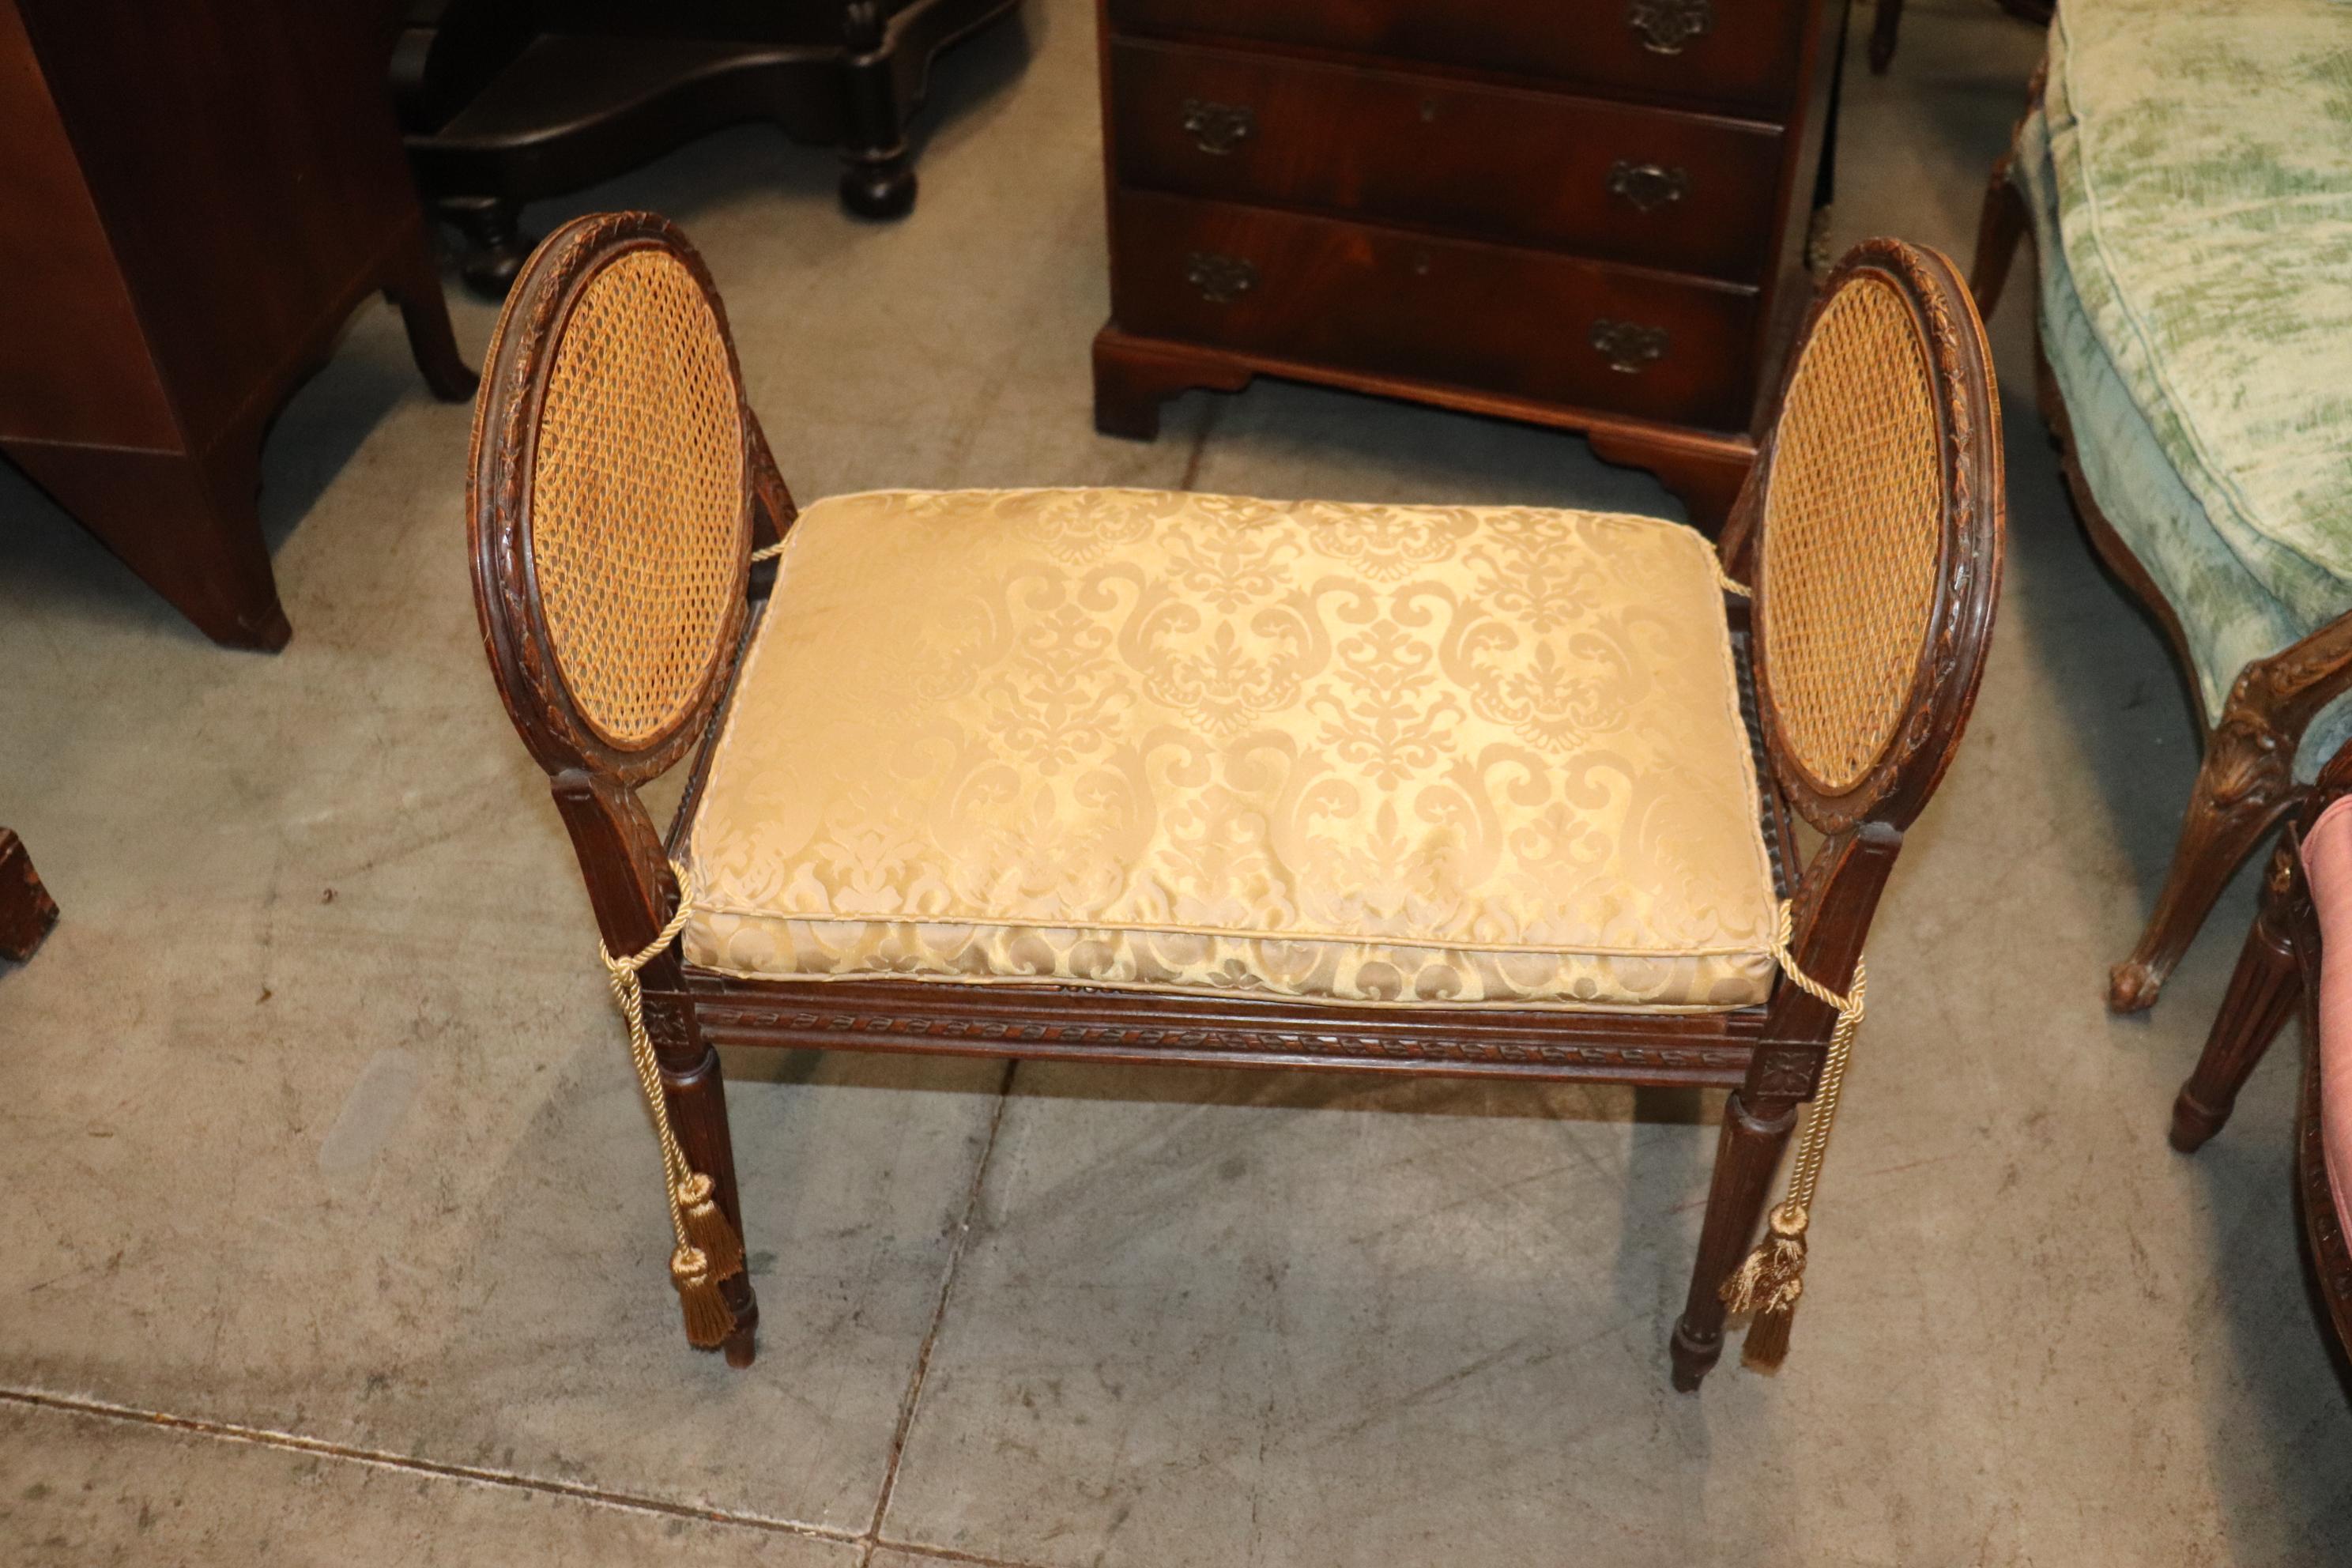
[[1772, 1279], [709, 1249]]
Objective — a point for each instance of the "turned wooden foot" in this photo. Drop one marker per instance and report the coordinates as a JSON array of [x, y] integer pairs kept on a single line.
[[1747, 1153], [879, 185], [742, 1345], [2262, 992], [496, 245]]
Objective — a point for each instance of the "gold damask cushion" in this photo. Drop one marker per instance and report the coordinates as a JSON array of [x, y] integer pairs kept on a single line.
[[1364, 755]]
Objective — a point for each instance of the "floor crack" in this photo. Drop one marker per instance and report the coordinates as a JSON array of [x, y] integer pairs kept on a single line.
[[296, 1442], [872, 1539]]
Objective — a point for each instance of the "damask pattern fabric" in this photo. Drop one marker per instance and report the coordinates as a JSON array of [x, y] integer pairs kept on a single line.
[[1363, 755]]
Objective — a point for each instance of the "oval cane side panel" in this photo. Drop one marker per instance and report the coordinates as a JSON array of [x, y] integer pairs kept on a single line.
[[638, 528], [1852, 533]]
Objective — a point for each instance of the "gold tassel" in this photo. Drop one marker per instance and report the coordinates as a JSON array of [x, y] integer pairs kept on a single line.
[[709, 1319], [706, 1230], [709, 1249], [1770, 1284]]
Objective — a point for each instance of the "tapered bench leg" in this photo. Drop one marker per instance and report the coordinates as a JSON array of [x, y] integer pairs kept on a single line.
[[1747, 1154], [697, 1093]]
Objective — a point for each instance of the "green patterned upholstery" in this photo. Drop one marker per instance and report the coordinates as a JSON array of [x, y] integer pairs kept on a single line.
[[2189, 178]]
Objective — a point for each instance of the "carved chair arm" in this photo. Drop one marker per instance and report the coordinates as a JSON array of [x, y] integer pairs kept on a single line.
[[1833, 907]]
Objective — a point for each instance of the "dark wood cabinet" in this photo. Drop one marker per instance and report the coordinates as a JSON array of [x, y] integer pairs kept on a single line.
[[1586, 213], [197, 195]]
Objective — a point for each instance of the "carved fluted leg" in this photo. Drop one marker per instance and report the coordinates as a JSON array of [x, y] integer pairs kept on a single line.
[[2262, 994], [1747, 1154], [697, 1093]]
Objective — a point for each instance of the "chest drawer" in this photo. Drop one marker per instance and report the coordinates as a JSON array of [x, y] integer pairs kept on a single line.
[[1740, 54], [1382, 301], [1620, 184]]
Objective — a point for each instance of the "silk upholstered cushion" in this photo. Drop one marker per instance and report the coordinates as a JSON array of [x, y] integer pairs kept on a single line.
[[1368, 754]]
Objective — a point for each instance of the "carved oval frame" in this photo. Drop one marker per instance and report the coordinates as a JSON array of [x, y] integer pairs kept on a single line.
[[1900, 780], [500, 473]]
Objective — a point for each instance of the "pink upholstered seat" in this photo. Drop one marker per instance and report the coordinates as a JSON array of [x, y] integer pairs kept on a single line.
[[2327, 866]]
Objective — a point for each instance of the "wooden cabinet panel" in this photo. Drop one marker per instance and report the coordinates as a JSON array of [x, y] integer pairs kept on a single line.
[[1735, 54], [197, 196], [1616, 183], [1525, 323], [73, 362]]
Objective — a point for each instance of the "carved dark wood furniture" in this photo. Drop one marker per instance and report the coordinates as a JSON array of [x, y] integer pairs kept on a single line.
[[27, 910], [2248, 781], [505, 102], [1591, 213], [197, 195], [2278, 974], [857, 705]]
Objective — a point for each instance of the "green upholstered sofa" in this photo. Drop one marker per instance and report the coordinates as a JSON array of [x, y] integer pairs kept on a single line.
[[2185, 173]]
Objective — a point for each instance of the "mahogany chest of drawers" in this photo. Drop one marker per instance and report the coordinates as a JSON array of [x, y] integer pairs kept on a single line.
[[1589, 213]]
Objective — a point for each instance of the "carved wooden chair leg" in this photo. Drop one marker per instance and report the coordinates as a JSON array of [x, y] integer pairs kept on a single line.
[[1882, 33], [416, 287], [2245, 788], [1747, 1154], [2001, 225], [697, 1093], [2262, 994]]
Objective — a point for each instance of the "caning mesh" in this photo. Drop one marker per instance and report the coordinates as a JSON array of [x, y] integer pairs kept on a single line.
[[1853, 533], [638, 528]]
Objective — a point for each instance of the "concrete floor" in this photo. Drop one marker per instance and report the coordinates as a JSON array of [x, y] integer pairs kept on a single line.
[[333, 1235]]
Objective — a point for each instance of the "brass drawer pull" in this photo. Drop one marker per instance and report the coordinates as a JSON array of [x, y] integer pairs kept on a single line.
[[1222, 279], [1668, 27], [1218, 128], [1648, 187], [1629, 346]]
